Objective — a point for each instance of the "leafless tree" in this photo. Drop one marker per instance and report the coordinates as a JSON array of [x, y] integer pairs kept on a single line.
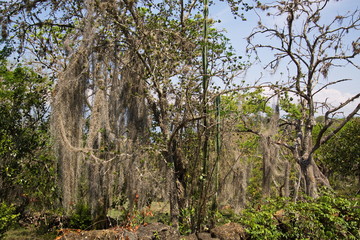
[[312, 46]]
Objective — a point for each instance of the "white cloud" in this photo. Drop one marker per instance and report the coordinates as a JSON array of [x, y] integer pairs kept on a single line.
[[334, 98]]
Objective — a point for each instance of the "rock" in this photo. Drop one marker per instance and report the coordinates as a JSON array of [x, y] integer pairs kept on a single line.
[[109, 234], [157, 231], [205, 236], [199, 236], [149, 232], [230, 231], [126, 235], [101, 234], [189, 237]]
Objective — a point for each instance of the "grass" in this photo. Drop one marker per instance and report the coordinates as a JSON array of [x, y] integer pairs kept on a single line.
[[158, 212], [30, 233]]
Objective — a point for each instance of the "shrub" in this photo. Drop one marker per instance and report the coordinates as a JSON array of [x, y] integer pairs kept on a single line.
[[327, 217], [7, 218], [81, 218]]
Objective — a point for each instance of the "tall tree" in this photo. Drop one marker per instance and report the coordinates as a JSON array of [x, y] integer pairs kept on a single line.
[[127, 83], [312, 45]]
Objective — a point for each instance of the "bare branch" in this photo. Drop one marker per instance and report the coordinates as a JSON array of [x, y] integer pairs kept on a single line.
[[329, 84], [320, 138]]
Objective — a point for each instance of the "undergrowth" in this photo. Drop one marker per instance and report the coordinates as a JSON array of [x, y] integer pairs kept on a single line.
[[7, 218], [327, 217]]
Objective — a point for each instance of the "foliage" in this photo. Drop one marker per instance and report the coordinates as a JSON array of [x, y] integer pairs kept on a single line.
[[132, 218], [341, 154], [226, 215], [250, 108], [291, 109], [23, 21], [7, 217], [28, 167], [137, 217], [255, 102], [81, 218], [327, 217], [186, 215]]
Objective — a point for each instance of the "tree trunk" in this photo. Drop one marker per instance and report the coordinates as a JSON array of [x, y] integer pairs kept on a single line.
[[174, 200], [287, 180], [176, 184], [267, 176], [269, 162], [307, 168], [246, 172], [297, 183]]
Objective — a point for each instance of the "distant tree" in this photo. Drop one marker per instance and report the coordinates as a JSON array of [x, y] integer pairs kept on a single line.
[[341, 154], [312, 46], [255, 116]]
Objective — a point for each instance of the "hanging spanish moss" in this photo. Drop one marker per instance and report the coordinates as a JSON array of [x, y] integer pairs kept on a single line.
[[99, 114]]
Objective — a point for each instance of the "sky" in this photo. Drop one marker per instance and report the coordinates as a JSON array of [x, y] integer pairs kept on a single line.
[[237, 30]]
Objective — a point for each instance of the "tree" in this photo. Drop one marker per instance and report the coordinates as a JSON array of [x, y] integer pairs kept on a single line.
[[312, 47], [253, 116], [111, 111], [27, 165]]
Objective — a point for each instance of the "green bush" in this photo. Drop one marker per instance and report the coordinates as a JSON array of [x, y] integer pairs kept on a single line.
[[260, 222], [7, 218], [327, 217], [187, 219], [81, 218]]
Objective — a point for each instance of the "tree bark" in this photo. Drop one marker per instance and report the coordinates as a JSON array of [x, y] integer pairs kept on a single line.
[[176, 184], [269, 162], [287, 180], [308, 170], [174, 200]]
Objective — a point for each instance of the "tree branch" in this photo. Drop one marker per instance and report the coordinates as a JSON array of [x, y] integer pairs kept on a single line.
[[320, 140]]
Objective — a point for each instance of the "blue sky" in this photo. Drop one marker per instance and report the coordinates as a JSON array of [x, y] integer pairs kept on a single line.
[[237, 30]]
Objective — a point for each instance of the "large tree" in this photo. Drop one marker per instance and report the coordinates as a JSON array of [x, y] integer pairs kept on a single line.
[[127, 87], [311, 46]]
